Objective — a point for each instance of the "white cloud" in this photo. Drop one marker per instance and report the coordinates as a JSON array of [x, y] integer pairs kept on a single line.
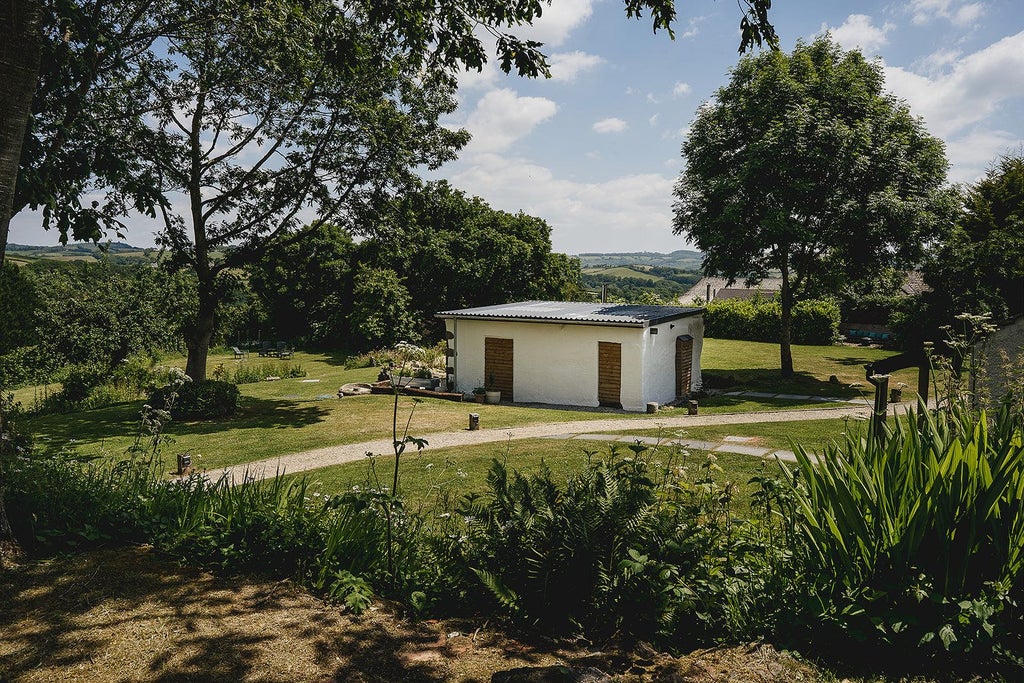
[[938, 61], [557, 21], [859, 32], [610, 125], [973, 88], [653, 121], [566, 66], [957, 12], [681, 89], [652, 99], [972, 154], [693, 27], [501, 117], [634, 211]]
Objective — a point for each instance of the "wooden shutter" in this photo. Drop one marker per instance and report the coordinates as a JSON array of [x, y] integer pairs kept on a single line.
[[609, 374], [684, 365], [498, 366]]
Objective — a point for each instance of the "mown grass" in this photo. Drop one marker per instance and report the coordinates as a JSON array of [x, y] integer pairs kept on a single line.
[[812, 434], [729, 364], [293, 415], [433, 478]]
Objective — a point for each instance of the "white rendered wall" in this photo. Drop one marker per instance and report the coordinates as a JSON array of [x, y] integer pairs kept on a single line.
[[552, 362], [660, 357]]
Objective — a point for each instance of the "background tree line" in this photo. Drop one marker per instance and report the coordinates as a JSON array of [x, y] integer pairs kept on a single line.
[[430, 250]]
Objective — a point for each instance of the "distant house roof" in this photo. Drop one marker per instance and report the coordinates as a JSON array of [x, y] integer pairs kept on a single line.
[[617, 315], [722, 289], [914, 284]]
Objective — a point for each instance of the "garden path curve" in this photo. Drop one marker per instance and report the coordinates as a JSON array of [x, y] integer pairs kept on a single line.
[[335, 455]]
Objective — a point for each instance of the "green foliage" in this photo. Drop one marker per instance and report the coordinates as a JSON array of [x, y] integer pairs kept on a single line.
[[248, 372], [461, 253], [805, 165], [202, 400], [98, 313], [978, 264], [26, 365], [814, 321], [380, 312], [917, 542], [18, 302], [78, 380], [305, 288], [628, 544]]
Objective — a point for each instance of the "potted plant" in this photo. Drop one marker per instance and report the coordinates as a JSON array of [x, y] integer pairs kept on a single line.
[[896, 393], [493, 395], [479, 394]]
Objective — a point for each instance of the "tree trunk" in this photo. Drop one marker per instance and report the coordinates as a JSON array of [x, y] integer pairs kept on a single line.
[[19, 75], [786, 328], [198, 337], [9, 548]]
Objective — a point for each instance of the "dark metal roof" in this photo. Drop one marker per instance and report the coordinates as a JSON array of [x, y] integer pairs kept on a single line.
[[625, 315]]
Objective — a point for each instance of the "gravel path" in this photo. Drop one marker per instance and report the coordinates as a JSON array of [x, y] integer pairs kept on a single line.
[[334, 455]]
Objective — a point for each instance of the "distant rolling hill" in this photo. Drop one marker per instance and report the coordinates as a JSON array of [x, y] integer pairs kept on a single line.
[[681, 259], [621, 271], [23, 254]]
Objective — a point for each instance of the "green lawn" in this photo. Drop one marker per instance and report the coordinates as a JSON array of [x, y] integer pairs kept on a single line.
[[286, 416], [730, 365], [435, 476], [812, 434], [293, 415]]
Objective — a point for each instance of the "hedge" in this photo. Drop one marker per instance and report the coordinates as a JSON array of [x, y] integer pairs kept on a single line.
[[815, 321]]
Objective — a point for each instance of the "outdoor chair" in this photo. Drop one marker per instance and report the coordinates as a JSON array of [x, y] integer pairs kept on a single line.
[[239, 353], [283, 351], [265, 349]]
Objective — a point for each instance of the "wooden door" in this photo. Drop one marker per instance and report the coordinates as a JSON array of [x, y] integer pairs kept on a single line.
[[498, 366], [684, 365], [609, 374]]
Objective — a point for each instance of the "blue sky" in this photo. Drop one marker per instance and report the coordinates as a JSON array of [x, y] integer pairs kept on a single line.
[[595, 149]]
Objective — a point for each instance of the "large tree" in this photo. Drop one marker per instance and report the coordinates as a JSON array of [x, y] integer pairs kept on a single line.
[[803, 164], [460, 252], [977, 265], [263, 113], [63, 65]]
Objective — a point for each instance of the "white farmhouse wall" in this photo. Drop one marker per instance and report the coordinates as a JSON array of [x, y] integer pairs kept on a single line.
[[660, 357], [557, 362]]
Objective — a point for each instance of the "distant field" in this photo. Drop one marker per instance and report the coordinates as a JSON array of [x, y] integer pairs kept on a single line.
[[681, 259], [623, 271]]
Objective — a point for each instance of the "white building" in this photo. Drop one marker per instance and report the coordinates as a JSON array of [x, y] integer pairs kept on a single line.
[[583, 354]]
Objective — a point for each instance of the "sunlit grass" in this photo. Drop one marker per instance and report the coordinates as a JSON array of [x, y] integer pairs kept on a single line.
[[432, 479]]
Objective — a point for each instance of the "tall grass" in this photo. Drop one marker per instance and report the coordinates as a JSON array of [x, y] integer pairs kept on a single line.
[[918, 540]]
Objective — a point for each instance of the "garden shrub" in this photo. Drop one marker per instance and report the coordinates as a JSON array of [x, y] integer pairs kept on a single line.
[[202, 400], [25, 365], [643, 545], [814, 321], [917, 542], [79, 380]]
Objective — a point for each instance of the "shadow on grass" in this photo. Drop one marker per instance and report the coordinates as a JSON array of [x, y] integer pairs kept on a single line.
[[122, 420], [126, 614], [75, 613], [850, 361], [769, 381]]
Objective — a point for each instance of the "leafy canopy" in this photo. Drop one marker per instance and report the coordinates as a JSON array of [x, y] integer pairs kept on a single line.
[[805, 165], [978, 264]]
